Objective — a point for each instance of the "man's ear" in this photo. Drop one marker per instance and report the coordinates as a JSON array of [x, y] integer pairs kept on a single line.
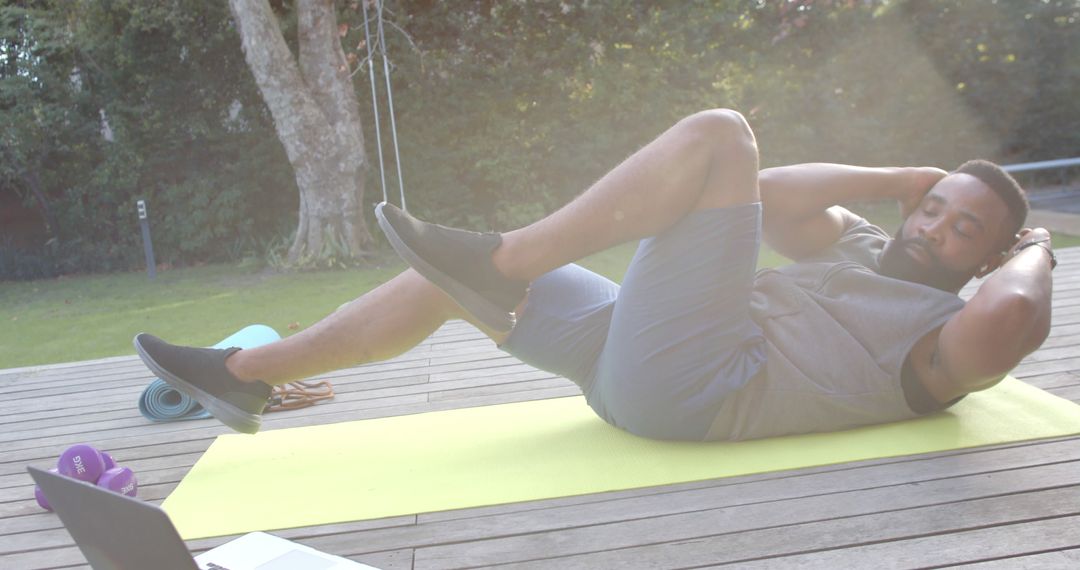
[[995, 260]]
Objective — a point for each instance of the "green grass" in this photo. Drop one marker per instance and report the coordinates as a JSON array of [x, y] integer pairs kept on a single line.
[[95, 316], [1061, 241]]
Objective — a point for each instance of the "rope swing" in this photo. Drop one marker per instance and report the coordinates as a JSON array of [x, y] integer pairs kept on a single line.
[[381, 48]]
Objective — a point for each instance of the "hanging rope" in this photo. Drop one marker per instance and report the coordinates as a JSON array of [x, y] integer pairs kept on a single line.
[[381, 48], [374, 102]]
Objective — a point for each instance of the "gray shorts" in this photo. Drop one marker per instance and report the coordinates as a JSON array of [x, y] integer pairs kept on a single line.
[[658, 355]]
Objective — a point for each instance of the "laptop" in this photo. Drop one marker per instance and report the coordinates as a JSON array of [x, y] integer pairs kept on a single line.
[[116, 532]]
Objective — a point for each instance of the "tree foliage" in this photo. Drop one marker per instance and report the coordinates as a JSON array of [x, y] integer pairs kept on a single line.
[[507, 109], [110, 102], [511, 108]]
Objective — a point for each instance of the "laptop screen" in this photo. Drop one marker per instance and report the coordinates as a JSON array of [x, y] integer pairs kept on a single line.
[[113, 531]]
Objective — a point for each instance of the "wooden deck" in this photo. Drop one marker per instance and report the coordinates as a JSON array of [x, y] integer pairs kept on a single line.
[[1007, 506]]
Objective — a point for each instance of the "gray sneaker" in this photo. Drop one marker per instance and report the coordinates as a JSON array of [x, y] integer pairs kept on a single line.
[[458, 262], [201, 374]]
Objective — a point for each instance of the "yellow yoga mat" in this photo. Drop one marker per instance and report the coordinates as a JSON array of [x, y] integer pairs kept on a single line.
[[536, 450]]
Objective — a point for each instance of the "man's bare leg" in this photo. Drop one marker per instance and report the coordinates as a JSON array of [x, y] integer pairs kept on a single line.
[[381, 324], [707, 160]]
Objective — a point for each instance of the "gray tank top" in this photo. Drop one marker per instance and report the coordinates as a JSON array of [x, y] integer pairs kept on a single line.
[[837, 335]]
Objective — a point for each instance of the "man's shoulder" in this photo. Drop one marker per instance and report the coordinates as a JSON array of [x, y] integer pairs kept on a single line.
[[860, 242], [856, 225]]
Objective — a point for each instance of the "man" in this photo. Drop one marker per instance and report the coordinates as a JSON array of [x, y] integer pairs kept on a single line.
[[694, 346]]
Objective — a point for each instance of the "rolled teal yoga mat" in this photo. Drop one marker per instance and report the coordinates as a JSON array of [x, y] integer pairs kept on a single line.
[[160, 402], [537, 450]]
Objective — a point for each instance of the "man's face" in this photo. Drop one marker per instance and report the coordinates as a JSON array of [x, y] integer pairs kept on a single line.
[[958, 231]]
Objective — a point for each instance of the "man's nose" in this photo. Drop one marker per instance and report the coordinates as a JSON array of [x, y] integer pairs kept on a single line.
[[931, 231]]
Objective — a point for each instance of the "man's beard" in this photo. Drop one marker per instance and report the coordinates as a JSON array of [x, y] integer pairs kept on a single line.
[[896, 262]]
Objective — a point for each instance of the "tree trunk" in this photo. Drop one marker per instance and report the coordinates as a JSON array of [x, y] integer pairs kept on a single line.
[[316, 116], [33, 180]]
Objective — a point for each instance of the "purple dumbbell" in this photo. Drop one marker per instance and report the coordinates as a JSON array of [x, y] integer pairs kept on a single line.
[[119, 480], [40, 496], [109, 461], [83, 462]]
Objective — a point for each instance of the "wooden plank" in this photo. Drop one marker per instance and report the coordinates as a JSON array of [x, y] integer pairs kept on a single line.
[[829, 478], [1049, 367], [140, 376], [401, 384], [1068, 392], [60, 548], [1054, 380], [124, 405], [765, 526], [463, 337], [948, 533], [40, 368], [344, 398], [1034, 536], [1056, 352], [71, 557], [75, 433], [1054, 560], [388, 369]]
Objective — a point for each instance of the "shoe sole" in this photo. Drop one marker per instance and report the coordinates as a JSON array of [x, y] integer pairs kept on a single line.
[[485, 311], [228, 414]]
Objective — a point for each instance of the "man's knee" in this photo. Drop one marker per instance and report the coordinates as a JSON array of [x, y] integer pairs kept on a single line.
[[732, 178], [722, 127]]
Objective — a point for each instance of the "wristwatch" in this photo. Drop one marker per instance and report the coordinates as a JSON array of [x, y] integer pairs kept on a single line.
[[1041, 243]]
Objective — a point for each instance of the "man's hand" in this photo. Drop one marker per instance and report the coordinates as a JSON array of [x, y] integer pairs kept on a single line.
[[922, 179], [1028, 236]]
